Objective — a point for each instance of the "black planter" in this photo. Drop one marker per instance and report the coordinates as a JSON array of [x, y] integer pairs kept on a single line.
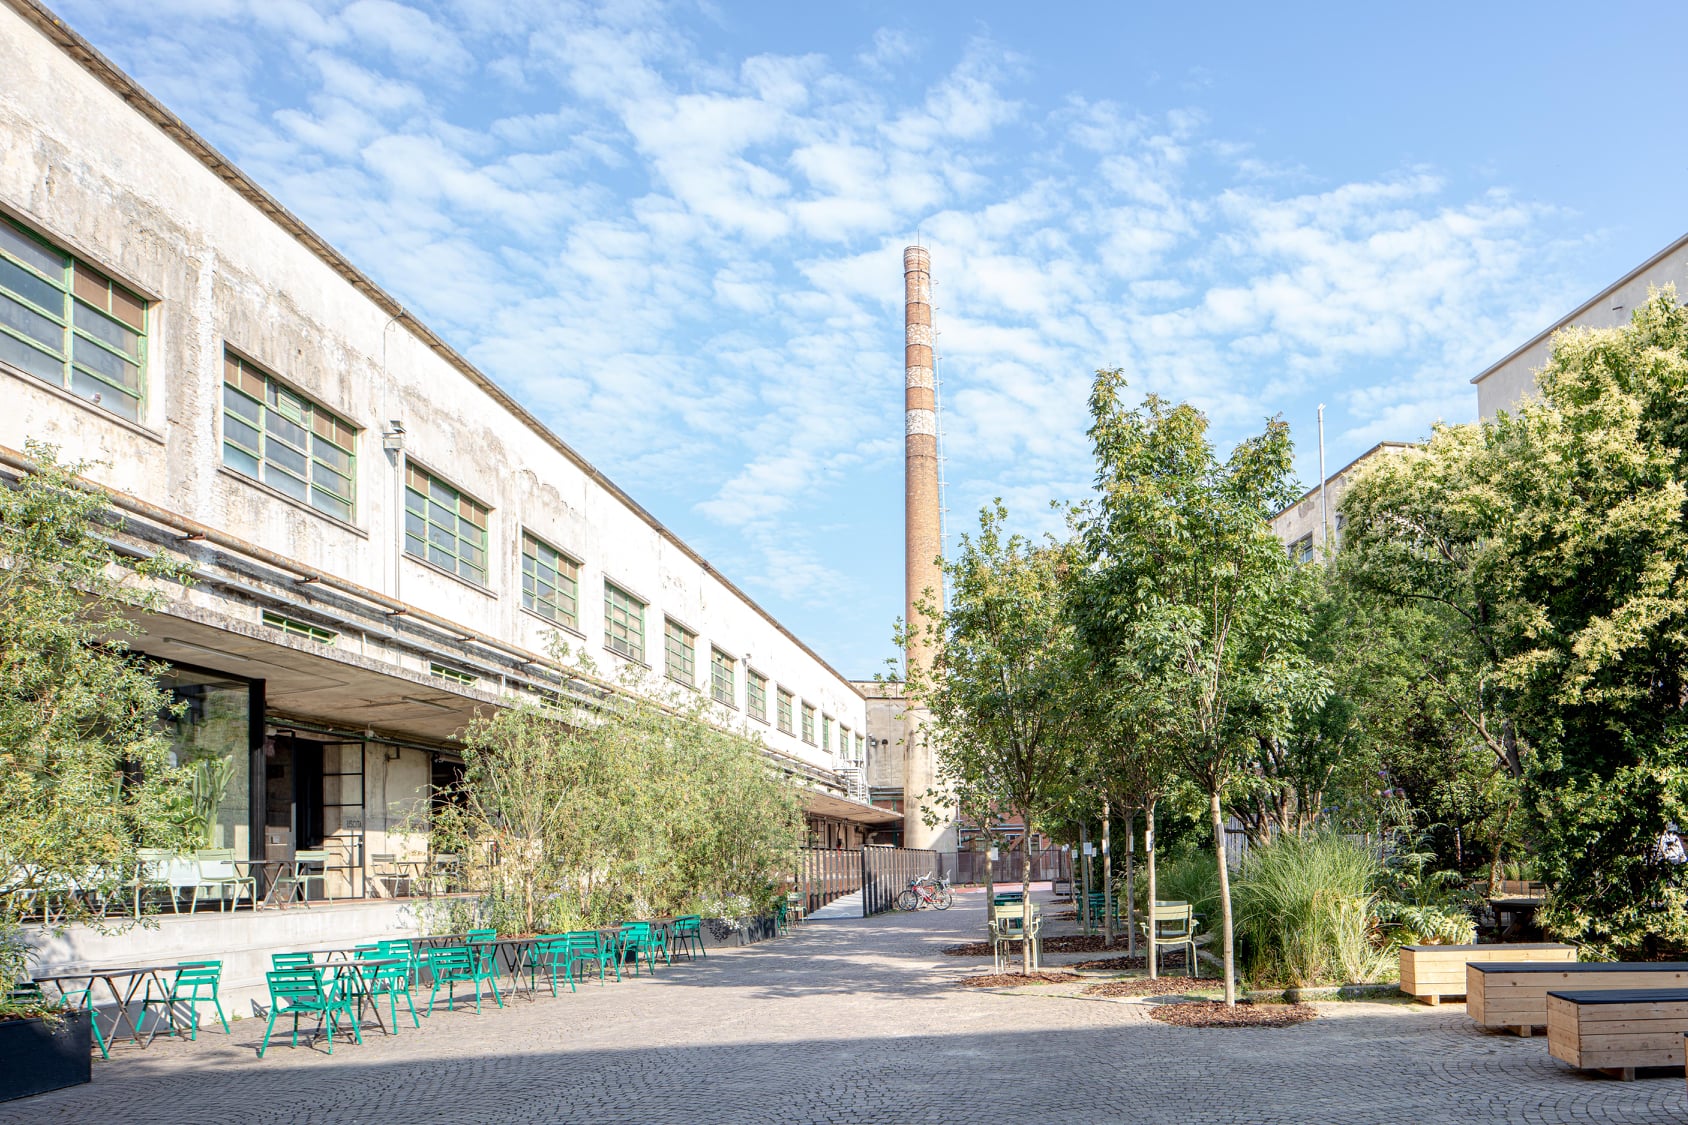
[[35, 1058], [729, 931]]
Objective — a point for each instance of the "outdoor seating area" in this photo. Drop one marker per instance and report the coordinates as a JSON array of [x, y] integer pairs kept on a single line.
[[214, 879], [333, 995]]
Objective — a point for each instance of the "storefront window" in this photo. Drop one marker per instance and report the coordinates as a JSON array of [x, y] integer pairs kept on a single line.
[[211, 735]]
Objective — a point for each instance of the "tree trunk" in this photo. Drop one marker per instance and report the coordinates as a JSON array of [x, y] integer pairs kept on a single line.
[[1495, 861], [1107, 880], [1131, 882], [990, 913], [1224, 897], [1026, 901], [1084, 885], [1149, 848]]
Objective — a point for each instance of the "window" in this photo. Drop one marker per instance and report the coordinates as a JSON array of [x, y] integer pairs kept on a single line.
[[826, 732], [679, 647], [70, 325], [550, 582], [843, 741], [624, 623], [809, 724], [455, 675], [861, 748], [756, 695], [723, 678], [783, 702], [444, 526], [1302, 549], [286, 440], [300, 628]]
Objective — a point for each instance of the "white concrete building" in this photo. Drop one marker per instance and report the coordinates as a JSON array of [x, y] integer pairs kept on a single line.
[[1302, 526], [1510, 379], [386, 543]]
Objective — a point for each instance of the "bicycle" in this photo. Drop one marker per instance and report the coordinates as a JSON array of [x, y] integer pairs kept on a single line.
[[925, 892]]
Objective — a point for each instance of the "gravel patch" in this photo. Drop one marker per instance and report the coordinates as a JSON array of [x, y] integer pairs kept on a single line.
[[1143, 986], [1214, 1013], [1017, 980]]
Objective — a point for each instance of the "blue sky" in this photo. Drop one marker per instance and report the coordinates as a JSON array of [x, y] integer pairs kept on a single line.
[[675, 230]]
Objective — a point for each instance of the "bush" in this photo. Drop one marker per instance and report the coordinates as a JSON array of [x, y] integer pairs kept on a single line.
[[1306, 911], [1185, 877]]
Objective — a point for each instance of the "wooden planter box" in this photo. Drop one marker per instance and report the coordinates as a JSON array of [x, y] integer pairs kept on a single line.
[[1431, 972], [1619, 1030], [35, 1058], [1514, 995]]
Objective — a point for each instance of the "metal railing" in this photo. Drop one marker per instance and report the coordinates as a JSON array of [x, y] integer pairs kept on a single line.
[[886, 872]]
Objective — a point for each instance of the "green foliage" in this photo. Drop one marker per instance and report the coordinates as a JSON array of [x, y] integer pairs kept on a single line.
[[1423, 904], [85, 774], [1305, 910], [1187, 599], [1553, 545], [628, 809], [1186, 875]]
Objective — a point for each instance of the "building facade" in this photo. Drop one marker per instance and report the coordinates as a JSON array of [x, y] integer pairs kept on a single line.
[[1512, 378], [1302, 526], [385, 544]]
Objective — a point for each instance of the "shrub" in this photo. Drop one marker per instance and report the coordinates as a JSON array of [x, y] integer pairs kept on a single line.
[[1305, 907], [1185, 877]]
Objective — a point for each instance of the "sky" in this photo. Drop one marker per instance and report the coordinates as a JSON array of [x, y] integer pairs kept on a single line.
[[675, 230]]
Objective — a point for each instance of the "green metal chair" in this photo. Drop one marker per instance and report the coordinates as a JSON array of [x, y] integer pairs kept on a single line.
[[782, 920], [217, 873], [303, 878], [1175, 928], [453, 966], [195, 983], [292, 961], [391, 981], [481, 935], [300, 992], [687, 934], [641, 939]]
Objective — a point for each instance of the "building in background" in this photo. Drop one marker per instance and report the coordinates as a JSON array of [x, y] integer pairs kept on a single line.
[[385, 544], [1509, 380], [1301, 525]]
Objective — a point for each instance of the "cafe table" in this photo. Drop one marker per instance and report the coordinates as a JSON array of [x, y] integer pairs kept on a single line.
[[133, 976]]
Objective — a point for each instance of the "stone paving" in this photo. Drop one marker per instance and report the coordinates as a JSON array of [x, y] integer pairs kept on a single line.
[[858, 1020]]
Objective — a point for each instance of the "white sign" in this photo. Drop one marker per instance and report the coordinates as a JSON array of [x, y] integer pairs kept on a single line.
[[1090, 849], [993, 855]]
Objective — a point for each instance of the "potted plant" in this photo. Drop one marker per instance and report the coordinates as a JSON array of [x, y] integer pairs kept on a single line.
[[42, 1046]]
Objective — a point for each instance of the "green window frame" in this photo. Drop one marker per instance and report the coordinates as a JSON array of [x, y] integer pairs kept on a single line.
[[550, 582], [723, 678], [756, 695], [826, 733], [784, 702], [843, 741], [679, 652], [808, 724], [861, 748], [300, 628], [624, 623], [68, 324], [455, 675], [444, 526], [280, 437]]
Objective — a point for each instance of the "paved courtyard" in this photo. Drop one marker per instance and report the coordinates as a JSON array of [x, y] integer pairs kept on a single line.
[[853, 1020]]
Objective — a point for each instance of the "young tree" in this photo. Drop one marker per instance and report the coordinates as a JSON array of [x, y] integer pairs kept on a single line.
[[1190, 592], [86, 777], [1002, 686]]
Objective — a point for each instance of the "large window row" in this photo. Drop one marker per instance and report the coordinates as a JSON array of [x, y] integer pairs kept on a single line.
[[67, 323]]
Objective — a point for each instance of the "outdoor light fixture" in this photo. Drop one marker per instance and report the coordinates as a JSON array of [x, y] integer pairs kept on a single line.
[[393, 440]]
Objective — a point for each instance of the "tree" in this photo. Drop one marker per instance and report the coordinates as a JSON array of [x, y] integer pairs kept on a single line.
[[1190, 593], [86, 777], [1003, 682], [622, 806]]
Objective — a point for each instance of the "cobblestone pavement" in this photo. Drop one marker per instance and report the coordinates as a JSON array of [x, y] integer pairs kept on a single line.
[[855, 1020]]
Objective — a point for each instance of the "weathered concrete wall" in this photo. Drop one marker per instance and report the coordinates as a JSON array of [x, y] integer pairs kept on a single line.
[[84, 169], [1303, 519]]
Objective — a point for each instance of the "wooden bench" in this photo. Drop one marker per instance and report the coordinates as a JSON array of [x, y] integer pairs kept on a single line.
[[1430, 972], [1619, 1030], [1513, 994]]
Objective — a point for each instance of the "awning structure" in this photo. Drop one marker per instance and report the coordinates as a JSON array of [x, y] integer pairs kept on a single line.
[[842, 808]]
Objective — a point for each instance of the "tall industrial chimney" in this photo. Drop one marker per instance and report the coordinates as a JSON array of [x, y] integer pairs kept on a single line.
[[922, 537]]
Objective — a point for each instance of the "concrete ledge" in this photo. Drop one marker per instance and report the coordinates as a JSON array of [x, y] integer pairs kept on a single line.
[[241, 940]]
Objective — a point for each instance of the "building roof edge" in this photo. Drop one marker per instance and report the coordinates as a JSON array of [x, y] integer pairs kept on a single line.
[[143, 102]]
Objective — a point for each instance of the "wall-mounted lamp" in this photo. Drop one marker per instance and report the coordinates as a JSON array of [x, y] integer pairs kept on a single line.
[[393, 440]]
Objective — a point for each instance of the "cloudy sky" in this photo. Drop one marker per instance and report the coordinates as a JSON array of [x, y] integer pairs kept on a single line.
[[675, 230]]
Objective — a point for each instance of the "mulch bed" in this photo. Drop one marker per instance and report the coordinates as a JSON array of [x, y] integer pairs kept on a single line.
[[1016, 980], [1066, 943], [1143, 986], [1214, 1013], [1116, 963]]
